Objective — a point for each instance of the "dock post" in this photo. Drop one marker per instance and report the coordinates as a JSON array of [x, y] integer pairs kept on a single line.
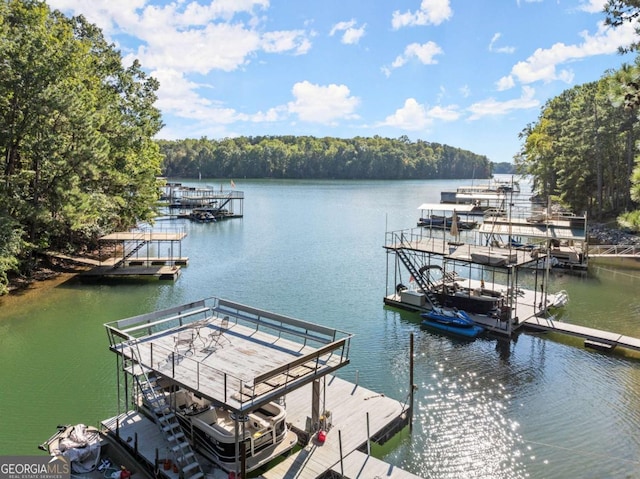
[[243, 459], [412, 386], [368, 436], [340, 445], [315, 406]]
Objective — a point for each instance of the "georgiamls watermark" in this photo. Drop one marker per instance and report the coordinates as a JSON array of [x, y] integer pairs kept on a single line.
[[34, 467]]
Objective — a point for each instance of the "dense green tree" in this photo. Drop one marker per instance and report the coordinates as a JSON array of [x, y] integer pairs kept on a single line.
[[76, 131], [627, 93], [579, 150], [319, 158]]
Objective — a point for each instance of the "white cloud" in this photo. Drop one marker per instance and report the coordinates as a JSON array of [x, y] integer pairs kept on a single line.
[[431, 12], [272, 114], [215, 47], [492, 47], [130, 15], [188, 36], [412, 116], [178, 97], [492, 107], [322, 104], [541, 66], [448, 113], [284, 41], [351, 34], [425, 53], [592, 6], [505, 83]]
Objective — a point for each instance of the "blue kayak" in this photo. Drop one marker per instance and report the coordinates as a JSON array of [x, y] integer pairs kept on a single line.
[[453, 322]]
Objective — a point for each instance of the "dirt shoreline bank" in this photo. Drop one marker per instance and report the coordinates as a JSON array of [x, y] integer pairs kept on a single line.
[[51, 270]]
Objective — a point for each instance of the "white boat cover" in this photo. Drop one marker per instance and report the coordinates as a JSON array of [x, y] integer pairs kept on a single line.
[[81, 446]]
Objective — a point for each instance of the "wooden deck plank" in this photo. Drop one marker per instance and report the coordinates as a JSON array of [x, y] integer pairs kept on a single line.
[[349, 405], [591, 334], [220, 370], [358, 465], [169, 272]]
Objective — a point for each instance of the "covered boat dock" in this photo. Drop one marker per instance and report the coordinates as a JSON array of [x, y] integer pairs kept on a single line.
[[242, 358]]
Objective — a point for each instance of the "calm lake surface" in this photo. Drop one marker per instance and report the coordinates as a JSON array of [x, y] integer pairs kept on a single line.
[[540, 406]]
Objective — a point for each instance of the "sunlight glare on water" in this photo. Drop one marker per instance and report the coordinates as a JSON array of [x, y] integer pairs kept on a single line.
[[540, 406]]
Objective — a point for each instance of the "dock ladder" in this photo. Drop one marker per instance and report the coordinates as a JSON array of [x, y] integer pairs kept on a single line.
[[421, 279], [166, 419]]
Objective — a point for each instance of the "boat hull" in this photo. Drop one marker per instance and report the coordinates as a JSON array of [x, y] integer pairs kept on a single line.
[[458, 324]]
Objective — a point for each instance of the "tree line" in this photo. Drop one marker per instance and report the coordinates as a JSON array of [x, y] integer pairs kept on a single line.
[[583, 149], [76, 132], [319, 158]]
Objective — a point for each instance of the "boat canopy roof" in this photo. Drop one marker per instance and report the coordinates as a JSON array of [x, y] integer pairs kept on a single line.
[[446, 207], [540, 231], [481, 196]]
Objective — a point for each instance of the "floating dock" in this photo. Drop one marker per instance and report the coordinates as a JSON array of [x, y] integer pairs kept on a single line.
[[594, 338], [241, 358], [202, 203], [358, 415], [496, 268], [137, 255]]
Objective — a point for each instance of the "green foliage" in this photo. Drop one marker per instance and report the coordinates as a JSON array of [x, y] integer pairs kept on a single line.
[[76, 131], [10, 245], [319, 158], [503, 168], [630, 220], [582, 147]]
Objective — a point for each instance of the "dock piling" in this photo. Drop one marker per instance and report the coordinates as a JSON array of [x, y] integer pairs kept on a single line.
[[411, 385]]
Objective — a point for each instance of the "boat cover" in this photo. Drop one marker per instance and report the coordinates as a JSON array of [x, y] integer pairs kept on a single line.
[[81, 446]]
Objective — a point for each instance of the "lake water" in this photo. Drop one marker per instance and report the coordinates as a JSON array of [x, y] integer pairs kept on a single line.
[[540, 406]]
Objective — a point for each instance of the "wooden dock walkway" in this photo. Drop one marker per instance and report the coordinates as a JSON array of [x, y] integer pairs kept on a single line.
[[351, 407], [594, 338], [156, 271], [359, 465]]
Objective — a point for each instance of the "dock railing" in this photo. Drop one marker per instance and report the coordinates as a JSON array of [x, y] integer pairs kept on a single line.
[[331, 349], [614, 250]]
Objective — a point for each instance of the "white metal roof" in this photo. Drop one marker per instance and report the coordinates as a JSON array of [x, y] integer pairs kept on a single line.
[[446, 207]]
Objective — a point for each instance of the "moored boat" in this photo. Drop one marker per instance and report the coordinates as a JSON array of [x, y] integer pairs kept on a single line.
[[212, 428], [454, 322], [93, 454]]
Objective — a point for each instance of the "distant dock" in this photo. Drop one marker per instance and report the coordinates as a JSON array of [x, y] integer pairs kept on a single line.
[[137, 255]]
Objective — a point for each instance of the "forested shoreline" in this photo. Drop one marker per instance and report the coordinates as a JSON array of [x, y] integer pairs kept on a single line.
[[297, 157], [77, 133], [81, 157]]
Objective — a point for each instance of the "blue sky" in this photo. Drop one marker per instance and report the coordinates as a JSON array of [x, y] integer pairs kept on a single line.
[[467, 73]]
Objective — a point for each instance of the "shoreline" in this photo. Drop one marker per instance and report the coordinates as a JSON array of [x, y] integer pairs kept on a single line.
[[54, 270], [50, 273]]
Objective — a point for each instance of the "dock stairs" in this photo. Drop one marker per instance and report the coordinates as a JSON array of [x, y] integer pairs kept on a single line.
[[421, 279], [183, 454], [131, 249]]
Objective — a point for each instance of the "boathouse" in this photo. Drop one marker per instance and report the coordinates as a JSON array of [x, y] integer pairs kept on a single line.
[[140, 252], [239, 365]]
